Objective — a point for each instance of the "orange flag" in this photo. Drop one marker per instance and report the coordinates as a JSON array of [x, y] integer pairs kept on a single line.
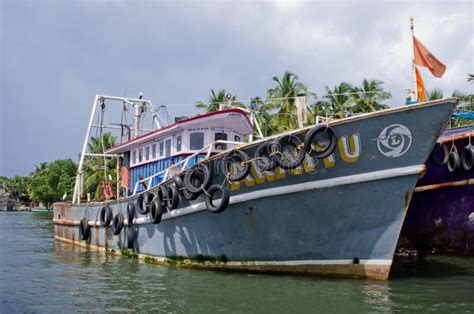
[[424, 58], [420, 86]]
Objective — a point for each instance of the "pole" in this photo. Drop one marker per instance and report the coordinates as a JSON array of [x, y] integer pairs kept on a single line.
[[412, 27], [78, 185]]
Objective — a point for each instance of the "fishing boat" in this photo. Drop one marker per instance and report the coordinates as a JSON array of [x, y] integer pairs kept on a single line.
[[441, 214], [209, 191]]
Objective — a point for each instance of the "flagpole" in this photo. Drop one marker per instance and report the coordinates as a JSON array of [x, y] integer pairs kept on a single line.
[[413, 59]]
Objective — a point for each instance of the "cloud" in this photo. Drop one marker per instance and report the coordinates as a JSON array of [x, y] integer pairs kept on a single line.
[[56, 56]]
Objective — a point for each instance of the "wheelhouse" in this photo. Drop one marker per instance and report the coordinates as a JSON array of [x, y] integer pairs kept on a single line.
[[147, 158]]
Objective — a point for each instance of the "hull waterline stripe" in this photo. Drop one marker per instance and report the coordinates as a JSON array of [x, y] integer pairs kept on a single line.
[[385, 262], [295, 188], [371, 262]]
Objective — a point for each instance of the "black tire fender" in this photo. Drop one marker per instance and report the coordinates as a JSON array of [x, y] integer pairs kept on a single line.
[[84, 229], [173, 197], [311, 136], [130, 237], [454, 161], [239, 159], [117, 223], [467, 157], [130, 212], [264, 161], [210, 193], [157, 209], [200, 171], [178, 182], [105, 215], [144, 202], [288, 141], [190, 195], [440, 155]]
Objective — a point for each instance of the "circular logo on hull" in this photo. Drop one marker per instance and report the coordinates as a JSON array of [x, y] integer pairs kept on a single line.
[[394, 140]]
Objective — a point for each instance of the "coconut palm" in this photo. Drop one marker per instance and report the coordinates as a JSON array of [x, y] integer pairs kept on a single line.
[[434, 94], [470, 77], [337, 102], [282, 100], [216, 99], [369, 95], [262, 115], [94, 168]]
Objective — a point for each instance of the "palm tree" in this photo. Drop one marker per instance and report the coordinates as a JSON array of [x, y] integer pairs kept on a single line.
[[434, 94], [369, 95], [94, 168], [470, 77], [282, 98], [262, 115], [98, 145], [216, 99], [337, 101]]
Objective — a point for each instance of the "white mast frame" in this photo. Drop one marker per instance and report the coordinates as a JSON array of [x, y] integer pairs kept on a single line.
[[138, 104]]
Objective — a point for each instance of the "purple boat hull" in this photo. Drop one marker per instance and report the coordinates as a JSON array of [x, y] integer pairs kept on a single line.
[[440, 218]]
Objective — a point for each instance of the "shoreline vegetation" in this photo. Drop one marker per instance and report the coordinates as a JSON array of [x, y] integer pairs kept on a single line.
[[54, 181]]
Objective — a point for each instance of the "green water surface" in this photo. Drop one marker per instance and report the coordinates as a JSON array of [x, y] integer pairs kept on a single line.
[[39, 274]]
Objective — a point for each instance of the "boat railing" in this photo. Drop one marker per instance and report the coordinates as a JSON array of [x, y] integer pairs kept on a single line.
[[180, 166]]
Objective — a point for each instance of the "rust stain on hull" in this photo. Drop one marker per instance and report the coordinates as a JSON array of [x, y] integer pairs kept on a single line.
[[444, 185]]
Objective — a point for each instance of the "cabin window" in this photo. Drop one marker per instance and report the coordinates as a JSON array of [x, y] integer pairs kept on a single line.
[[179, 142], [168, 148], [147, 153], [134, 157], [162, 148], [220, 137], [196, 140], [153, 151], [237, 138], [140, 155]]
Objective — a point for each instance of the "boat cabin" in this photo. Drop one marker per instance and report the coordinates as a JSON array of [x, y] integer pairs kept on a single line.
[[146, 157]]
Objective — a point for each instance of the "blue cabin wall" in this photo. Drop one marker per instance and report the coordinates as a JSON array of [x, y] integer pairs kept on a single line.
[[151, 168]]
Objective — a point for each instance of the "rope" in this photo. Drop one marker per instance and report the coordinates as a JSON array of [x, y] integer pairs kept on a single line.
[[205, 192], [279, 98]]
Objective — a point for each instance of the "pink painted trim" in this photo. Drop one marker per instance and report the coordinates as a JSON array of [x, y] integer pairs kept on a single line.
[[181, 122]]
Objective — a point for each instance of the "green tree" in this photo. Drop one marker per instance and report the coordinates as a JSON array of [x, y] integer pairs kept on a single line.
[[282, 101], [48, 186], [434, 94], [337, 102], [94, 168], [221, 97], [369, 95], [17, 188], [262, 115]]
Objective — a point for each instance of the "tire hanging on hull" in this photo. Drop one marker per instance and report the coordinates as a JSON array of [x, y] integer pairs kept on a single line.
[[84, 229], [311, 141], [224, 200], [105, 215], [117, 223]]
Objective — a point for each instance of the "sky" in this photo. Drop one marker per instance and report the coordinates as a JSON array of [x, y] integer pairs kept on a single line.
[[55, 56]]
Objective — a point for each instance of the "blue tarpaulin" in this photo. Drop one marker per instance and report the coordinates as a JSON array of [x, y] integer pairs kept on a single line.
[[469, 115]]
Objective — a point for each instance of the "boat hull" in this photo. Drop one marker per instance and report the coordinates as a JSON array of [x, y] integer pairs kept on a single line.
[[441, 214], [340, 216]]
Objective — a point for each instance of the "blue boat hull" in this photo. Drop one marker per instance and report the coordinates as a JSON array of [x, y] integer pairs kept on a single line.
[[339, 216]]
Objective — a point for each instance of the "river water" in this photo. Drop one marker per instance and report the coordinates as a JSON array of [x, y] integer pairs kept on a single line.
[[39, 274]]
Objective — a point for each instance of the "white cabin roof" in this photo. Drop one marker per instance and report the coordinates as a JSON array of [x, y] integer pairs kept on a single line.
[[234, 119]]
